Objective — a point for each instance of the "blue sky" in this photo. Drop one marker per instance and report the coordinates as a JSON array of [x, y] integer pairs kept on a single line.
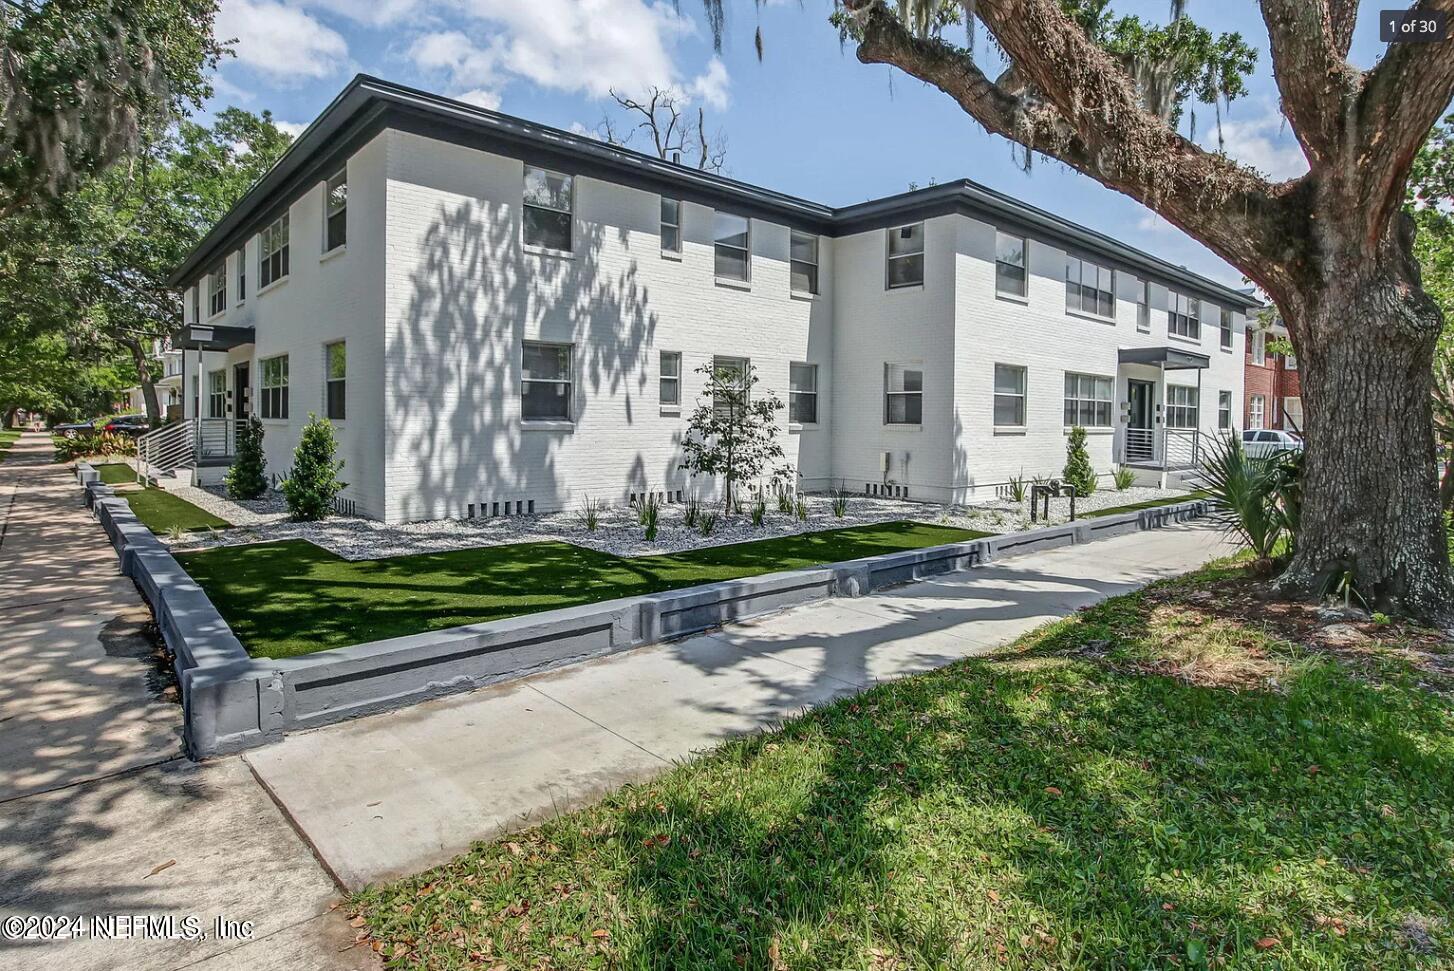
[[809, 119]]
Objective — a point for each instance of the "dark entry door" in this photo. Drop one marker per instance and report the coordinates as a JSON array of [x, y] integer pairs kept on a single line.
[[241, 390], [1140, 428]]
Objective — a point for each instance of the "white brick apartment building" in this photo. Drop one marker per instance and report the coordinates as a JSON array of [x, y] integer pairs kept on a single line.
[[503, 317]]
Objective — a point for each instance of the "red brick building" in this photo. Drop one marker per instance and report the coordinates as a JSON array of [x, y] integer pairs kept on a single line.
[[1272, 387]]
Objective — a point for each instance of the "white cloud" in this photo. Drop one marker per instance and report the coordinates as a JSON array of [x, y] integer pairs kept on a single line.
[[576, 128], [1264, 141], [374, 13], [480, 98], [281, 42], [294, 128], [711, 85]]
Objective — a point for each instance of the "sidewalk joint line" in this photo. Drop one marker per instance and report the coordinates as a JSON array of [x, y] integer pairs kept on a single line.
[[609, 731]]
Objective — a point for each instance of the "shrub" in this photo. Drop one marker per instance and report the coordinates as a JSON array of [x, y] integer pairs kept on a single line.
[[758, 512], [693, 513], [312, 485], [1123, 477], [707, 523], [648, 512], [840, 503], [784, 501], [1019, 486], [801, 509], [115, 443], [1078, 470], [247, 477], [589, 514]]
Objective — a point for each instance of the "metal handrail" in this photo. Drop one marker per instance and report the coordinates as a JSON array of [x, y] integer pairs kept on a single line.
[[166, 449]]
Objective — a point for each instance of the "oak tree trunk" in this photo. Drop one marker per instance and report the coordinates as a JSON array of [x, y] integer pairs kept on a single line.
[[143, 376], [1365, 342]]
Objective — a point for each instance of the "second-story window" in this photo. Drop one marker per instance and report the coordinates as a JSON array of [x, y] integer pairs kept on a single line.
[[671, 226], [548, 215], [242, 274], [1143, 307], [803, 267], [335, 214], [1183, 315], [1225, 326], [1259, 348], [217, 290], [903, 395], [906, 256], [731, 243], [273, 252], [1089, 288], [197, 303], [1011, 278]]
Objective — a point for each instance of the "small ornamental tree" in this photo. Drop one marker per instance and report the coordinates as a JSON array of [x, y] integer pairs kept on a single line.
[[312, 485], [731, 434], [1078, 469], [246, 478]]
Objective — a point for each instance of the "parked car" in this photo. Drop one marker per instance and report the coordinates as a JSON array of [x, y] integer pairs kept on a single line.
[[1268, 442], [71, 429], [132, 425]]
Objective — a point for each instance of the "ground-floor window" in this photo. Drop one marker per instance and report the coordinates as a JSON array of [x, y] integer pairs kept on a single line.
[[730, 374], [1256, 411], [1088, 400], [803, 393], [216, 394], [545, 387], [903, 395], [1224, 410], [275, 387], [335, 381], [671, 377], [1181, 406], [1009, 396]]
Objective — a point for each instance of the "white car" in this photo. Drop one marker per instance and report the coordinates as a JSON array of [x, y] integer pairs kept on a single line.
[[1270, 442]]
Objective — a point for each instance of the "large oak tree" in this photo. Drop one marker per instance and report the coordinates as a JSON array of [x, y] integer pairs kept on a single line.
[[1334, 248]]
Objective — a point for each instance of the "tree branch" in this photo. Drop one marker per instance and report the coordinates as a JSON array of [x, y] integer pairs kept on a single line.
[[1309, 61]]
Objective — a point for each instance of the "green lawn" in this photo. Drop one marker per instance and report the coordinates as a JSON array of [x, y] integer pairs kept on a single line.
[[160, 511], [8, 437], [289, 598], [116, 473], [1148, 504], [1061, 804]]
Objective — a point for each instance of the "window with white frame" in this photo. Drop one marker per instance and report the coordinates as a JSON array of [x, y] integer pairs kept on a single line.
[[729, 373], [671, 378], [335, 215], [242, 274], [1225, 328], [217, 394], [1011, 280], [197, 303], [1009, 396], [548, 214], [1259, 348], [1143, 307], [273, 252], [1289, 362], [731, 246], [274, 386], [335, 379], [1089, 288], [1181, 406], [1224, 410], [546, 382], [1183, 315], [671, 226], [803, 393], [1256, 411], [905, 255], [217, 289], [803, 262], [903, 395], [1088, 400]]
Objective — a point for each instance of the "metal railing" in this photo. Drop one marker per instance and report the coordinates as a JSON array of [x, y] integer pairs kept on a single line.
[[1173, 448], [1140, 445], [182, 444], [1183, 448]]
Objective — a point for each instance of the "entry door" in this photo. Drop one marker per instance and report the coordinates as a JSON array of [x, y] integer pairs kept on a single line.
[[242, 391], [1140, 429]]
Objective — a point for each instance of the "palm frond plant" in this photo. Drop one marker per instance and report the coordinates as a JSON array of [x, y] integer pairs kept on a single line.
[[840, 503], [784, 501], [1124, 477], [1243, 491], [1019, 486], [589, 515], [758, 512], [692, 513]]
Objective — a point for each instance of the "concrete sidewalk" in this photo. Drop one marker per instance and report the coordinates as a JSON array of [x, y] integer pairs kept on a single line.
[[100, 813], [394, 793]]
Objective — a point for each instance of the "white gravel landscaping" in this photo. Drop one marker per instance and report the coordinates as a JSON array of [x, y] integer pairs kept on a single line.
[[618, 532]]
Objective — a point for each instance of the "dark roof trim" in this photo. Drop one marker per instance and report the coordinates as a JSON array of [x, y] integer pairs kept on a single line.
[[210, 338], [1174, 358], [369, 105]]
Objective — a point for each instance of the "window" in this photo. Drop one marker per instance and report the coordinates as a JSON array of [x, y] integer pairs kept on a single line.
[[547, 209], [906, 256], [1181, 406], [1224, 410], [730, 242], [1225, 327], [275, 387], [1089, 289], [217, 290], [1259, 348], [1010, 277], [671, 377], [335, 362], [273, 252], [803, 266], [241, 275], [803, 393], [197, 303], [1256, 411], [903, 395], [335, 213], [1009, 396], [1143, 307], [1088, 400], [545, 389], [736, 377], [217, 394], [1183, 315], [1289, 362], [671, 226]]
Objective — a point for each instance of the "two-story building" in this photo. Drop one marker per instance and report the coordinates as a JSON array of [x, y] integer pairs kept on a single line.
[[1273, 387], [504, 318]]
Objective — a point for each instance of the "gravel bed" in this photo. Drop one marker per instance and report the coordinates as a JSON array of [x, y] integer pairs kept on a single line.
[[269, 508], [617, 532]]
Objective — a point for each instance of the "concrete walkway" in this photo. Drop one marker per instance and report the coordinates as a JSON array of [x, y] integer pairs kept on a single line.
[[395, 793], [99, 812]]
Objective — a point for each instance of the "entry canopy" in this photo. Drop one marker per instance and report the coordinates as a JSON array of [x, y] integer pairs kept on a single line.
[[1170, 358], [203, 337]]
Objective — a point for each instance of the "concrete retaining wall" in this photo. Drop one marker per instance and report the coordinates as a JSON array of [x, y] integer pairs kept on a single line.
[[233, 701]]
